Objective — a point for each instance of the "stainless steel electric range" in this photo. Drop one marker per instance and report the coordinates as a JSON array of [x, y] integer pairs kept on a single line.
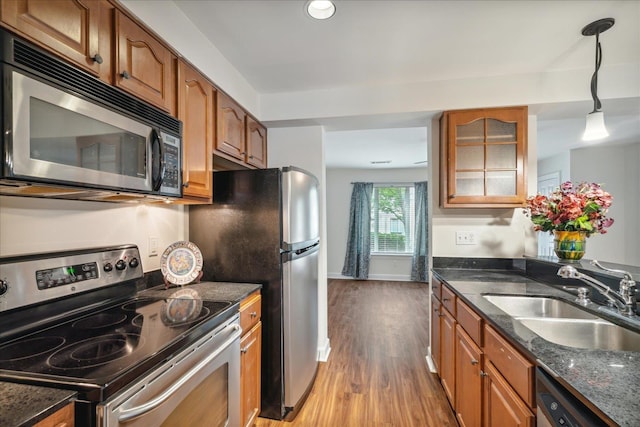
[[73, 320]]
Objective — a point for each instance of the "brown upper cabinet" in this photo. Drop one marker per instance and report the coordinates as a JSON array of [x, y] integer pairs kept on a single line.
[[256, 144], [240, 138], [78, 30], [196, 109], [231, 128], [483, 158], [144, 66]]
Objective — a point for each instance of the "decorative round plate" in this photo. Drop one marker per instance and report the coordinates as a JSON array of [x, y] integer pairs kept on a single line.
[[181, 263], [181, 306]]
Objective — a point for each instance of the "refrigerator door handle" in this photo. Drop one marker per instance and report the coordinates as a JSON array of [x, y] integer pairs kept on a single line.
[[308, 248]]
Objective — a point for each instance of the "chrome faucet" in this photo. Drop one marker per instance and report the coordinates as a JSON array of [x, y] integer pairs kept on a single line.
[[624, 301]]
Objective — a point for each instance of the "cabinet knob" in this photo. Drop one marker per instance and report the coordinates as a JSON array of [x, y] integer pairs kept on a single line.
[[474, 362], [483, 374], [186, 184], [445, 299], [243, 153], [97, 58], [251, 157], [254, 314], [244, 350], [125, 75], [453, 196]]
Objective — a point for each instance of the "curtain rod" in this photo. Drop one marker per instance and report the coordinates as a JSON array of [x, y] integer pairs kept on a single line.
[[390, 184]]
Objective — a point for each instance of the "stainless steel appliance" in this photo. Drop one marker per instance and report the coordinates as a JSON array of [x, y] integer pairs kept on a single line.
[[63, 127], [557, 407], [74, 320], [263, 227]]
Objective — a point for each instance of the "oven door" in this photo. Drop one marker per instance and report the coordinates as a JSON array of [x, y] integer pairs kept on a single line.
[[200, 386], [59, 137]]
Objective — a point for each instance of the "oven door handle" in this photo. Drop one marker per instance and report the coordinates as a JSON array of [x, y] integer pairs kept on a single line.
[[135, 412]]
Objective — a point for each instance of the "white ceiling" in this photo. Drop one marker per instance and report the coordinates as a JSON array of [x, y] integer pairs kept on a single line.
[[277, 48]]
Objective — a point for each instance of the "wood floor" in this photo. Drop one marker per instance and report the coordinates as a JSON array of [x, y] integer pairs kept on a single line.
[[376, 374]]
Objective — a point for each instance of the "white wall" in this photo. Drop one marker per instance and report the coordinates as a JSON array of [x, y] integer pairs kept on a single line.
[[383, 267], [303, 147], [616, 169], [31, 225], [501, 233], [557, 163]]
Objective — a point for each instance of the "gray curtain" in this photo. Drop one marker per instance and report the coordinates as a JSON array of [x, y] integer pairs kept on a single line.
[[356, 260], [420, 262]]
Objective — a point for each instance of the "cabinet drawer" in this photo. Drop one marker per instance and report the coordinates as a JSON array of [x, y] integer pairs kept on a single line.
[[449, 300], [517, 370], [436, 288], [469, 320], [250, 311]]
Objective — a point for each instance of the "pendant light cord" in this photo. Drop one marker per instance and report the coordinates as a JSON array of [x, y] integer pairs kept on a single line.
[[594, 79]]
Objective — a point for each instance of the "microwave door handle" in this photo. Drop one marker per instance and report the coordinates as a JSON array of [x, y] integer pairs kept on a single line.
[[138, 411], [156, 181]]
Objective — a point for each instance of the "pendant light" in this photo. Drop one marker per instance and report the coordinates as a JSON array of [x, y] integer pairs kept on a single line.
[[595, 128]]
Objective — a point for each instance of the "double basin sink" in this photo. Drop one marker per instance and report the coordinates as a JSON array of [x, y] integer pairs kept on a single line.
[[563, 323]]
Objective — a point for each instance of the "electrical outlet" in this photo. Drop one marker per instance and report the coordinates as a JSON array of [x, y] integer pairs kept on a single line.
[[465, 238], [153, 246]]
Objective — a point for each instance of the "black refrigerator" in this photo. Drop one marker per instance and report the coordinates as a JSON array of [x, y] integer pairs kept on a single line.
[[263, 227]]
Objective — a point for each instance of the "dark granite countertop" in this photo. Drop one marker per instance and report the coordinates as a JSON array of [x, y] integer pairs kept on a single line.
[[22, 405], [608, 380], [209, 291]]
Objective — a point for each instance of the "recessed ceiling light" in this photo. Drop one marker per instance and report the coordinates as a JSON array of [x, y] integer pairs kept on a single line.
[[320, 9], [380, 162]]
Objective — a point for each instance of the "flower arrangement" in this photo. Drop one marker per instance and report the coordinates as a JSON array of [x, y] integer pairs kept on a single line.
[[581, 207]]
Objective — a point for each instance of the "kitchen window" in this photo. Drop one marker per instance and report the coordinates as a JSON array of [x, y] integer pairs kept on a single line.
[[392, 219]]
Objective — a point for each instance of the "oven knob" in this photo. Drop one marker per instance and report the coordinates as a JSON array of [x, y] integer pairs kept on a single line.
[[4, 287], [108, 267], [134, 263], [121, 265]]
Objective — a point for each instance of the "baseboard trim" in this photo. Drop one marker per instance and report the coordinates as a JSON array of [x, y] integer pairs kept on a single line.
[[383, 277], [323, 352], [430, 364]]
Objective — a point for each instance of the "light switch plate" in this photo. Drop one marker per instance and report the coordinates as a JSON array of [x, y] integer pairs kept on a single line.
[[465, 238], [153, 246]]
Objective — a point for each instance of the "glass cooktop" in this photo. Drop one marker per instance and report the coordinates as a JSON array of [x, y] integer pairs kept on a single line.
[[100, 346]]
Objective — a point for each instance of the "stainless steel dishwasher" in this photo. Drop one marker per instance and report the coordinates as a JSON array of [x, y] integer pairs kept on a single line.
[[557, 407]]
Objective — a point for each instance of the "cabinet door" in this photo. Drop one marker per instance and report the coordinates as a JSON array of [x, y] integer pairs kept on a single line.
[[447, 361], [70, 28], [250, 355], [62, 418], [231, 128], [436, 309], [468, 380], [196, 110], [144, 66], [256, 144], [502, 406], [484, 156]]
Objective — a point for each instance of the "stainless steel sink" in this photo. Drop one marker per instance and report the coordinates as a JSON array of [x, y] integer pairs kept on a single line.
[[562, 323], [582, 333], [519, 306]]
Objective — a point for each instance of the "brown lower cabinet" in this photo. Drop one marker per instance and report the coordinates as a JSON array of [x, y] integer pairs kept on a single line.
[[250, 358], [61, 418], [503, 407], [488, 381], [468, 362]]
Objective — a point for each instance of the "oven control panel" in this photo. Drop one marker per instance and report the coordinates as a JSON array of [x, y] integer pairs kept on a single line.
[[31, 279]]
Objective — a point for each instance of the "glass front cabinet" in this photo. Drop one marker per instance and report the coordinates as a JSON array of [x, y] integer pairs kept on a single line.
[[483, 158]]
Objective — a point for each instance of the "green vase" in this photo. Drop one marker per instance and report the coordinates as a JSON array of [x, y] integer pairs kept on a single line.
[[569, 245]]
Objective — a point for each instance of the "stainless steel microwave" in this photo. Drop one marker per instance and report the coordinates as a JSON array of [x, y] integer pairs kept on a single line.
[[63, 128]]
